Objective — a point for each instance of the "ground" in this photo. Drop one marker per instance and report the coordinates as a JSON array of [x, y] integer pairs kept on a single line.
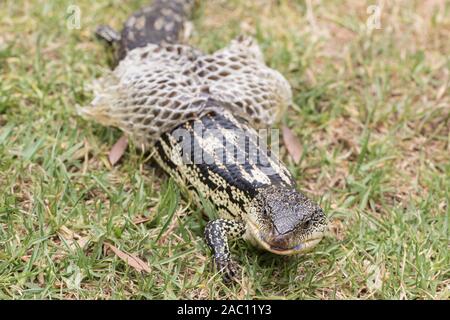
[[372, 116]]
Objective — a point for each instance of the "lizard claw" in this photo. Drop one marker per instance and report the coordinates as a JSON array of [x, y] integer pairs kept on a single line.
[[229, 269]]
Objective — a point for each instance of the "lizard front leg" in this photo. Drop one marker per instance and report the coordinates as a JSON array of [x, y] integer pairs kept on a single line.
[[217, 234]]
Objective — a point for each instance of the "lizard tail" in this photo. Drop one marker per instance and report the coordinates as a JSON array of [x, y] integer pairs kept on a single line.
[[163, 21]]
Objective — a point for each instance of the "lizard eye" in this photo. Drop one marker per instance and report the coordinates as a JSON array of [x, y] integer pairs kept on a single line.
[[306, 224], [265, 211]]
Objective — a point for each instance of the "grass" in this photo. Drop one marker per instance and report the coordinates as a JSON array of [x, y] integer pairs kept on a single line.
[[372, 114]]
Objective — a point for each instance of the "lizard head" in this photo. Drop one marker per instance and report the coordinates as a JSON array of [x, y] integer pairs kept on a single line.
[[284, 221]]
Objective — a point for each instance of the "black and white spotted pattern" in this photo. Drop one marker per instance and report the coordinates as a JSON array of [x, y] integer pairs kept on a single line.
[[217, 234]]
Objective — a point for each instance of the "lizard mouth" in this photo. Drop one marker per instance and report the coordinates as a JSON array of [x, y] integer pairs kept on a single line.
[[305, 245]]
